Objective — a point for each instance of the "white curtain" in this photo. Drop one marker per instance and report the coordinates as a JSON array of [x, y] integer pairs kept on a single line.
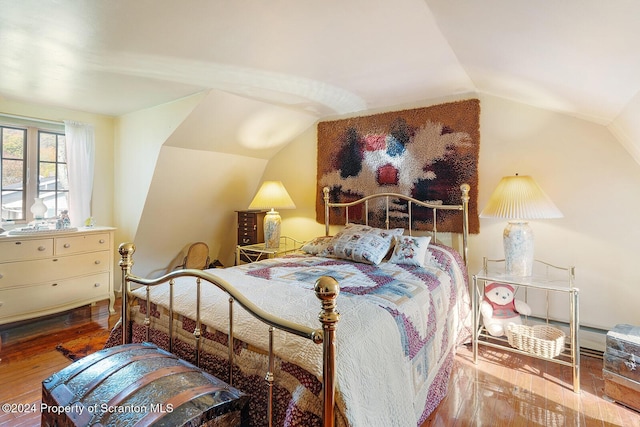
[[80, 138]]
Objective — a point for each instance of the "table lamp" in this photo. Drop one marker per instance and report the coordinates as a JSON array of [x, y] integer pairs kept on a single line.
[[272, 195], [519, 198]]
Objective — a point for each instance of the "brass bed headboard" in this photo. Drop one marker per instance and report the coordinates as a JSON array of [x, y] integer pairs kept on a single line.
[[463, 207]]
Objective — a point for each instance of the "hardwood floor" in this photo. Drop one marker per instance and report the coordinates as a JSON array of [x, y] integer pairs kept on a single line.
[[502, 390], [28, 356], [506, 389]]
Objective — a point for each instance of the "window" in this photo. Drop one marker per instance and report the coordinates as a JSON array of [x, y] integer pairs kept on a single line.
[[53, 183], [14, 172], [33, 165]]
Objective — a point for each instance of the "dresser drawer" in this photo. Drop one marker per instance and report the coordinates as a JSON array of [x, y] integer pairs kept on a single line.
[[49, 296], [47, 270], [25, 249], [84, 243]]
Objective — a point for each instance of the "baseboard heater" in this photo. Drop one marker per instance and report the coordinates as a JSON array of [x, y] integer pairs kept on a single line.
[[584, 351], [591, 352]]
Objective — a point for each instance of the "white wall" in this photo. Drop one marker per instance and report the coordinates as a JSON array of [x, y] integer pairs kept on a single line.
[[580, 165], [625, 127], [193, 197], [169, 195], [138, 139]]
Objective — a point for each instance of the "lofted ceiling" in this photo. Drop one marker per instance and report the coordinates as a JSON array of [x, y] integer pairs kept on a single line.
[[295, 61]]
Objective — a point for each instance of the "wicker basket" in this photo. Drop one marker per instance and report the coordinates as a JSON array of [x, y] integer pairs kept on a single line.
[[541, 340]]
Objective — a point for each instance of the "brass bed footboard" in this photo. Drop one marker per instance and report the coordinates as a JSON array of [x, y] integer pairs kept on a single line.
[[326, 290]]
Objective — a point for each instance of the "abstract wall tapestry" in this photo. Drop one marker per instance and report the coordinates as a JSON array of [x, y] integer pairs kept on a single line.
[[425, 153]]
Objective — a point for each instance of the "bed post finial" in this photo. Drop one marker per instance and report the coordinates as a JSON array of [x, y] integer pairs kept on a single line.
[[327, 291], [126, 251], [325, 191], [465, 188]]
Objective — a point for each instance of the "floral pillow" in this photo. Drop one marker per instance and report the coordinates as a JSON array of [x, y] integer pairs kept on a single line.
[[411, 250], [361, 243], [317, 245]]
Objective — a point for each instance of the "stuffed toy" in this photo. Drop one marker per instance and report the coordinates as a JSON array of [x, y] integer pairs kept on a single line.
[[499, 308]]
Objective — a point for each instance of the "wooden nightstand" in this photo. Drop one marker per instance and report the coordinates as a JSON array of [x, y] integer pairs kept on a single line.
[[257, 252], [250, 228]]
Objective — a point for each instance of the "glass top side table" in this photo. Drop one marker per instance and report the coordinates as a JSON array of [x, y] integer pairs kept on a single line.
[[549, 281]]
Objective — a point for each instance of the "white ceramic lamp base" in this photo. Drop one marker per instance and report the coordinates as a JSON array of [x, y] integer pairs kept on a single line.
[[518, 249], [272, 222]]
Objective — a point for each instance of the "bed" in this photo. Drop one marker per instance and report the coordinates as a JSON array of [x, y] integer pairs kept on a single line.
[[358, 329]]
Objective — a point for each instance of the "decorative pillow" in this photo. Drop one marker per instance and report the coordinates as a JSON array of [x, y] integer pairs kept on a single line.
[[317, 245], [361, 243], [411, 250]]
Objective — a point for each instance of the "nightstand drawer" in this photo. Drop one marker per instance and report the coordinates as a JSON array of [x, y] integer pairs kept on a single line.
[[247, 220], [246, 240]]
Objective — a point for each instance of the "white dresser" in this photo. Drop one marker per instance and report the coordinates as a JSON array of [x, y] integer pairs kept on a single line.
[[45, 273]]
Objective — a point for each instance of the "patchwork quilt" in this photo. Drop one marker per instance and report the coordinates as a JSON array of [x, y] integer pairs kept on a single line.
[[396, 339]]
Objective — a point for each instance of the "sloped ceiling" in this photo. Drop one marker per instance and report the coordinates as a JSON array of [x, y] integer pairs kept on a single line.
[[294, 61]]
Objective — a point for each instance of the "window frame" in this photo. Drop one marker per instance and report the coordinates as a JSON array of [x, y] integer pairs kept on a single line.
[[32, 158]]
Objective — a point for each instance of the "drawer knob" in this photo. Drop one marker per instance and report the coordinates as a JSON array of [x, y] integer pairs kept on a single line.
[[96, 285], [97, 261], [101, 241], [67, 245], [41, 248], [18, 243], [54, 284]]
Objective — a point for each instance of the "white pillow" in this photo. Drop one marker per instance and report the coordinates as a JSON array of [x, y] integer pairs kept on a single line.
[[361, 243], [410, 250], [317, 245]]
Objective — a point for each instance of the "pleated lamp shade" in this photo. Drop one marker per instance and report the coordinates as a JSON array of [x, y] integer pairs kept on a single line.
[[518, 199], [272, 195]]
